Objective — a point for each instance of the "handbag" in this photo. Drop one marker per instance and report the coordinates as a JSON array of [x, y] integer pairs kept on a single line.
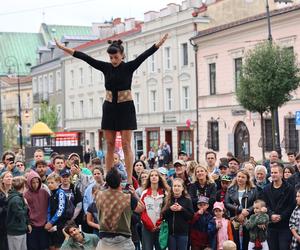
[[163, 237]]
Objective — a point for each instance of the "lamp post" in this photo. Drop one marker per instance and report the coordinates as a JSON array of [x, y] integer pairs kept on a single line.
[[12, 61], [275, 113]]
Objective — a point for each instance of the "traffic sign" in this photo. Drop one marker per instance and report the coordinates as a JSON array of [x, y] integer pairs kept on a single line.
[[297, 120]]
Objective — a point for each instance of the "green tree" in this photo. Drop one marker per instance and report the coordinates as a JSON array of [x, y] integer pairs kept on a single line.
[[49, 115], [269, 75], [10, 131]]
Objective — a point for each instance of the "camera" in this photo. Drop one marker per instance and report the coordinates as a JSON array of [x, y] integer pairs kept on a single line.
[[76, 162]]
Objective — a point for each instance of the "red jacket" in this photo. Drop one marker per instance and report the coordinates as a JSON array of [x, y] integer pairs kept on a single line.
[[146, 220]]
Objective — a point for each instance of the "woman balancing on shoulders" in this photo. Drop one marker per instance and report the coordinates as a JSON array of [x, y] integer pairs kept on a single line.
[[118, 108]]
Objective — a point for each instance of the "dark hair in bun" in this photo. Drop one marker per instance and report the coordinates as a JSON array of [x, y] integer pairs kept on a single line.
[[115, 47]]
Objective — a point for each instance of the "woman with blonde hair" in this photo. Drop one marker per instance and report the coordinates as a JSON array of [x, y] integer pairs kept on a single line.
[[5, 185], [153, 196], [203, 186], [239, 201]]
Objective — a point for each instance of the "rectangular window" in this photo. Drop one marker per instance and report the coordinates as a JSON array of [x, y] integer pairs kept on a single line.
[[186, 98], [152, 64], [101, 100], [184, 54], [137, 101], [268, 135], [169, 101], [167, 58], [291, 135], [213, 135], [51, 89], [59, 115], [34, 85], [28, 100], [72, 79], [212, 78], [237, 70], [45, 88], [91, 75], [58, 80], [91, 107], [153, 139], [80, 76], [40, 88], [81, 109], [186, 141], [72, 110], [153, 100]]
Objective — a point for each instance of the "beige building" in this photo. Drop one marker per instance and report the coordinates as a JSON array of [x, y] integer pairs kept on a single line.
[[224, 125], [10, 108], [164, 87]]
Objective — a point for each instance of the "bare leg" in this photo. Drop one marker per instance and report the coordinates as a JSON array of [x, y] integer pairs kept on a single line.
[[110, 137], [126, 145]]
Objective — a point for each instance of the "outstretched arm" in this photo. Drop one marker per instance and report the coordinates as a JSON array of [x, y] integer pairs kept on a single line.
[[97, 64], [142, 57], [64, 48]]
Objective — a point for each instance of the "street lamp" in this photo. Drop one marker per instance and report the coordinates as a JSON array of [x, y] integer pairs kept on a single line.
[[12, 61], [276, 119]]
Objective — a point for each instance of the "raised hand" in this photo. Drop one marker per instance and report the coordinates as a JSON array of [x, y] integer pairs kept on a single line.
[[64, 48], [162, 40], [58, 44]]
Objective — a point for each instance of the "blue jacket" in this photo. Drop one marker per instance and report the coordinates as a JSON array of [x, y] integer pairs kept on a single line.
[[57, 207]]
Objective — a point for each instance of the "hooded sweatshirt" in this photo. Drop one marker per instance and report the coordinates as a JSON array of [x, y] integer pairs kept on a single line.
[[17, 214], [37, 201]]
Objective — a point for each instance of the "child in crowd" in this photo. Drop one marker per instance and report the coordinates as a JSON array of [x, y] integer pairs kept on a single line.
[[56, 211], [17, 220], [225, 182], [37, 199], [92, 212], [120, 166], [257, 226], [295, 224], [224, 226], [178, 210], [203, 227]]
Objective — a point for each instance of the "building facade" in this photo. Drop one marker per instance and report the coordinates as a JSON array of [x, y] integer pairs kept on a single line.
[[224, 124], [164, 87]]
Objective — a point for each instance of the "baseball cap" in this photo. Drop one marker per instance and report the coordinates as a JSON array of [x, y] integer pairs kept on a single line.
[[218, 205], [226, 178], [65, 172], [202, 199], [162, 170], [223, 166], [180, 162], [73, 154], [234, 159], [182, 153]]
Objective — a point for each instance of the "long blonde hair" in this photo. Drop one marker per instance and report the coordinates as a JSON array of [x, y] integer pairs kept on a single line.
[[2, 189], [249, 183], [209, 180]]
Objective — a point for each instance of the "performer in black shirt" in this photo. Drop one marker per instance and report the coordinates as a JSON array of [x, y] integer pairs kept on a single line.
[[118, 108]]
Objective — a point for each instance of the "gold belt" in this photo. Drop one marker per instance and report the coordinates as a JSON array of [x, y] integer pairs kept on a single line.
[[123, 96]]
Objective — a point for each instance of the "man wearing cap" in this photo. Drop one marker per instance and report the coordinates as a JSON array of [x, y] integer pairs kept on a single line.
[[234, 166], [180, 172], [182, 155]]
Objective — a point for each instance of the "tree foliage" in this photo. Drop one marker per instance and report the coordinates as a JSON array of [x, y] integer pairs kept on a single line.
[[269, 75], [49, 115], [10, 132]]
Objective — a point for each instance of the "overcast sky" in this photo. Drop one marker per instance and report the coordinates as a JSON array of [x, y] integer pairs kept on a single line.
[[27, 15]]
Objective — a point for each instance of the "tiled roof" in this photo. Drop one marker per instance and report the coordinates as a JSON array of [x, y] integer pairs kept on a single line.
[[135, 30], [245, 21], [51, 31], [22, 46]]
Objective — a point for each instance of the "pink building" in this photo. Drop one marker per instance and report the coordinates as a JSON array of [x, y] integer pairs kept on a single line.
[[223, 124]]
